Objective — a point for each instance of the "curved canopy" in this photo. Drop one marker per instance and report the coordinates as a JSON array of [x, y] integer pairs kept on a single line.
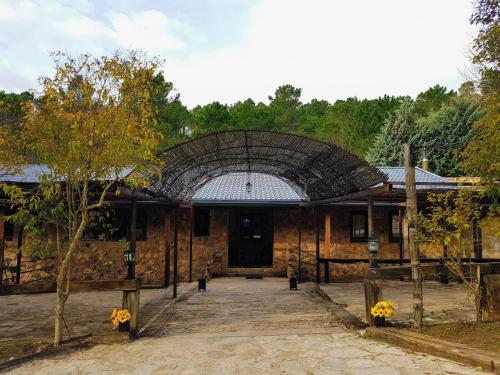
[[321, 170]]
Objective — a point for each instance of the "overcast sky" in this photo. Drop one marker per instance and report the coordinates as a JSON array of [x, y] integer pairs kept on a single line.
[[229, 50]]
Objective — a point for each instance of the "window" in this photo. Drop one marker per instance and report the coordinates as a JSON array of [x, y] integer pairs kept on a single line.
[[114, 225], [201, 222], [394, 229], [8, 231], [251, 226], [359, 226]]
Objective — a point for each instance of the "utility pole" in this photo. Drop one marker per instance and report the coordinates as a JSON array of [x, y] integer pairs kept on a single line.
[[411, 213]]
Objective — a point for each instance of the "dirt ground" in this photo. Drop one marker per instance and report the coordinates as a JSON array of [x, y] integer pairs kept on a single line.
[[243, 326], [443, 303]]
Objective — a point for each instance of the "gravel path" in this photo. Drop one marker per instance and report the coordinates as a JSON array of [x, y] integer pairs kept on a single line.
[[247, 327]]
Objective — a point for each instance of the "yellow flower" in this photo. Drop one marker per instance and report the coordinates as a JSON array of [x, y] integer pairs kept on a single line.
[[113, 314], [382, 309]]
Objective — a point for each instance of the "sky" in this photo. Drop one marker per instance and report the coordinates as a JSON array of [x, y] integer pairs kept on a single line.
[[230, 50]]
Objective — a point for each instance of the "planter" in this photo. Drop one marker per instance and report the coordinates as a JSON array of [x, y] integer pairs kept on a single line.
[[378, 321], [124, 327]]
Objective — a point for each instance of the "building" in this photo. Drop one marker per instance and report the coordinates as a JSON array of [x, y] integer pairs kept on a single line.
[[246, 202]]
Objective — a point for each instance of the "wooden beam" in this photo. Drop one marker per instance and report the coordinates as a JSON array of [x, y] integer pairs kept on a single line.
[[411, 213], [133, 233], [300, 243], [2, 244], [19, 253], [191, 225], [75, 286], [371, 231], [168, 240], [317, 246], [373, 294], [175, 219], [428, 270], [327, 252]]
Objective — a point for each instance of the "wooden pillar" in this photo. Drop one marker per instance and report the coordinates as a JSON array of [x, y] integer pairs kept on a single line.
[[411, 213], [300, 243], [131, 302], [19, 254], [401, 244], [2, 245], [175, 219], [371, 230], [373, 294], [477, 238], [327, 252], [191, 224], [317, 245], [133, 233], [166, 233]]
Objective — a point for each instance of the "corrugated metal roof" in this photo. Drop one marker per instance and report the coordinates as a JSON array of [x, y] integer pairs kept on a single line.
[[232, 188], [30, 174], [398, 174]]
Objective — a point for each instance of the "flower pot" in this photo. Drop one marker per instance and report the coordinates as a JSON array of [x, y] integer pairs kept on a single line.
[[379, 321], [124, 327]]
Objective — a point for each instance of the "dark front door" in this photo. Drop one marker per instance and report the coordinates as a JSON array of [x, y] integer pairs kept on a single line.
[[251, 238]]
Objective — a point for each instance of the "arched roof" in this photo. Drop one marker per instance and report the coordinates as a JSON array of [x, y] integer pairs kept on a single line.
[[320, 169]]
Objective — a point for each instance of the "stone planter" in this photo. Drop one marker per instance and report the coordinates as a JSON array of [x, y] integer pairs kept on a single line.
[[124, 327], [379, 322]]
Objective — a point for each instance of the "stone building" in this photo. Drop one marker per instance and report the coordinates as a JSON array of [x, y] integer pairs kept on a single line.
[[241, 206]]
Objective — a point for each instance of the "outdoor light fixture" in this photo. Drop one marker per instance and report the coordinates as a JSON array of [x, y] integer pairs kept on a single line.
[[129, 259], [373, 250], [249, 187]]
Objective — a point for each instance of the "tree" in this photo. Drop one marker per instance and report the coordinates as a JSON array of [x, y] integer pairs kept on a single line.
[[248, 115], [443, 135], [399, 129], [447, 224], [284, 107], [210, 118], [481, 156], [433, 99], [92, 121]]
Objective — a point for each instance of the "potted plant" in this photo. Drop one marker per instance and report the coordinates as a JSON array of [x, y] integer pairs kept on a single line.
[[121, 319], [382, 310]]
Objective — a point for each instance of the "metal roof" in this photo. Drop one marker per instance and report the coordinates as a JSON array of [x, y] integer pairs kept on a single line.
[[231, 188], [398, 174]]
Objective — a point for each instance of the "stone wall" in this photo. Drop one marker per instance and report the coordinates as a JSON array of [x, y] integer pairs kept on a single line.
[[104, 260]]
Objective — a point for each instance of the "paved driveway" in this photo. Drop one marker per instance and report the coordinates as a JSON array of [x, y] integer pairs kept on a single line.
[[246, 327]]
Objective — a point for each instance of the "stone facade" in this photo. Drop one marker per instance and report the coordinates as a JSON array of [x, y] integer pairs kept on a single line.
[[104, 260]]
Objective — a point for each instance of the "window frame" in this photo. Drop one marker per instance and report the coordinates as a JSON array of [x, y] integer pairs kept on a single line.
[[203, 230], [351, 226], [392, 237]]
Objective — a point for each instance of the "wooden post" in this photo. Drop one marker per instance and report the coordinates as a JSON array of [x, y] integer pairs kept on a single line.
[[2, 245], [411, 213], [131, 302], [373, 294], [19, 254], [191, 219], [371, 232], [166, 233], [327, 271], [327, 252], [317, 246], [133, 234], [175, 219], [300, 243], [401, 245]]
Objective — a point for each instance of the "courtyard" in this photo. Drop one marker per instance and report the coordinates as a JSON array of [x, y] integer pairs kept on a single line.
[[237, 326]]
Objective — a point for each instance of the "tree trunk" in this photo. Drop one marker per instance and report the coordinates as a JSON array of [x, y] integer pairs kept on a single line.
[[63, 282]]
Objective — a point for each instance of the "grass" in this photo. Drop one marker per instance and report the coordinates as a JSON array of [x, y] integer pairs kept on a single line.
[[477, 335], [18, 348]]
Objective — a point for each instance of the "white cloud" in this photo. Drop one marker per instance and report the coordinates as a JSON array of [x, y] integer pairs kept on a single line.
[[30, 29], [330, 48], [334, 49]]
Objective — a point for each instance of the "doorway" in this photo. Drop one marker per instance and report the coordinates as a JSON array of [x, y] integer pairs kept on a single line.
[[251, 238]]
